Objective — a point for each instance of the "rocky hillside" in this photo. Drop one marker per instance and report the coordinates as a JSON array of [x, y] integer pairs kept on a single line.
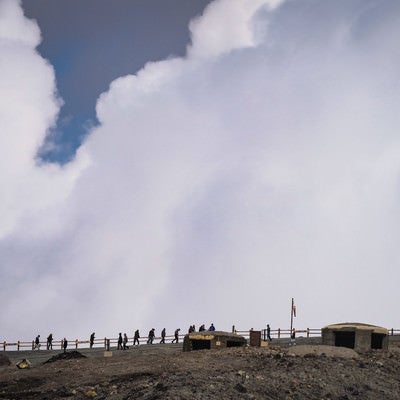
[[165, 372]]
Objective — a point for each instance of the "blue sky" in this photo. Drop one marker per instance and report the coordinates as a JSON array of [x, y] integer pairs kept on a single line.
[[93, 42], [244, 152]]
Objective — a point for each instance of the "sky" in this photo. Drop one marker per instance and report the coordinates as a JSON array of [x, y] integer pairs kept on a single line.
[[80, 38], [163, 167]]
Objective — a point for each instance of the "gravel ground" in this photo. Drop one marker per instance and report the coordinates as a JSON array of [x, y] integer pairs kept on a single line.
[[165, 372]]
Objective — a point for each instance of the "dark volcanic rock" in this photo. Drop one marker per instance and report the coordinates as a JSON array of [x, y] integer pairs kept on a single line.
[[167, 373], [4, 360], [70, 355]]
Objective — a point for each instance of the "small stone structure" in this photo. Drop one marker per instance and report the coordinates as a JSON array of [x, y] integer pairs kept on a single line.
[[360, 337], [212, 340], [255, 338]]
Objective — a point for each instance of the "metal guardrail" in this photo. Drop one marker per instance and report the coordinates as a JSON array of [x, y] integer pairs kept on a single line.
[[113, 342]]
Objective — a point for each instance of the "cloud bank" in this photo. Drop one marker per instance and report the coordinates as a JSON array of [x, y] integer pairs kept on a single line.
[[262, 166]]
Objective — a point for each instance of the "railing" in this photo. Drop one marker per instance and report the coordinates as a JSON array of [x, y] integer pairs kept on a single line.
[[97, 343], [107, 343], [285, 333]]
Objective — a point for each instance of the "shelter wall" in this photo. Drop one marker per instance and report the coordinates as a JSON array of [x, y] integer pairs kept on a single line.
[[328, 337], [363, 338], [212, 341]]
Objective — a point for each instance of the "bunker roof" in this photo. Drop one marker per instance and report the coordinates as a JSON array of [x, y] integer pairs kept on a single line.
[[209, 335], [357, 326]]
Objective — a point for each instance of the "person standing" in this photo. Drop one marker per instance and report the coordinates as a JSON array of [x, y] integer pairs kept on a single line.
[[162, 336], [136, 337], [176, 336], [50, 342], [91, 340], [269, 333], [293, 337], [65, 345], [119, 346]]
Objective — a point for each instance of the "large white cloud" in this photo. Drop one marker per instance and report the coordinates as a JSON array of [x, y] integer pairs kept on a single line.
[[28, 107], [225, 25], [31, 193], [264, 165]]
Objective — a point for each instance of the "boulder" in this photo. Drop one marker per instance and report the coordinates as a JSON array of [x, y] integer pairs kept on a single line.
[[24, 364]]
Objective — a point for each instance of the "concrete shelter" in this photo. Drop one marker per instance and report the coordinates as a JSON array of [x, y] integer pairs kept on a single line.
[[360, 337], [212, 340]]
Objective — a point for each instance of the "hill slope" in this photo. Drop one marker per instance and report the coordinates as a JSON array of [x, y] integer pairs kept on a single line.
[[165, 372]]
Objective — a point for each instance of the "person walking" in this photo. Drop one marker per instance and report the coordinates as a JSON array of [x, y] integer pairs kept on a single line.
[[176, 336], [150, 338], [162, 336], [119, 344], [269, 333], [50, 342], [125, 342], [37, 343], [136, 337], [91, 340], [65, 345]]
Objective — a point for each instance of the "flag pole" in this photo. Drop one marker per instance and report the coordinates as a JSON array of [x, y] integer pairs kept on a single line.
[[291, 317]]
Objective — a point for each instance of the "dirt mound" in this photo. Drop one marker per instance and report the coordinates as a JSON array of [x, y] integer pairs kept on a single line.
[[71, 355], [321, 350], [4, 360]]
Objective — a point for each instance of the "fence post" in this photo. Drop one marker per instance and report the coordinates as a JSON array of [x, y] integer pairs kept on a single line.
[[18, 343], [76, 343], [105, 343], [392, 331], [233, 328], [33, 345], [279, 333], [4, 345], [308, 332], [264, 334], [108, 345]]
